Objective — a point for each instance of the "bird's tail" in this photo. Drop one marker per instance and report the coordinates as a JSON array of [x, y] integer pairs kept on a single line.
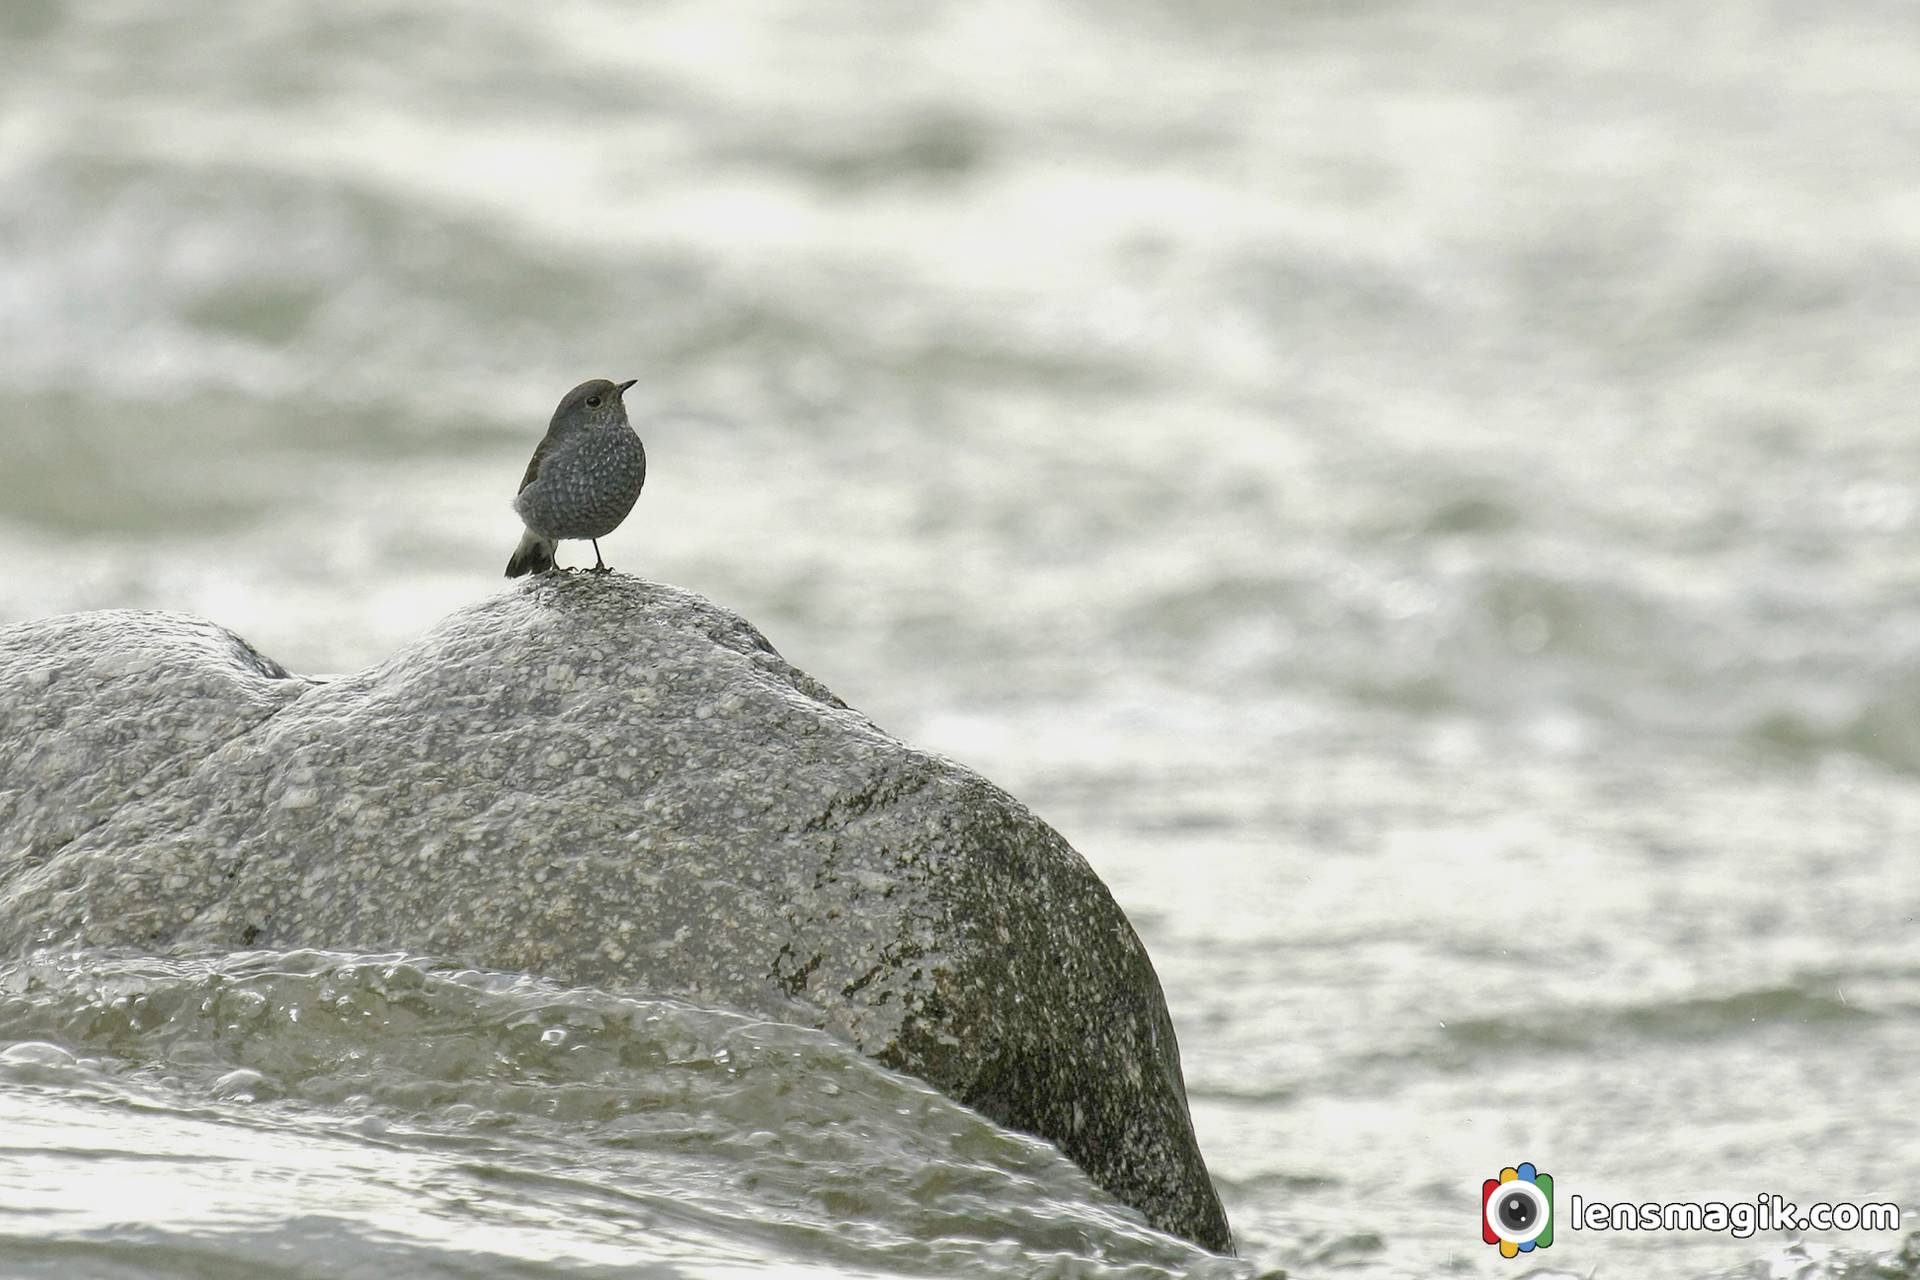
[[533, 555]]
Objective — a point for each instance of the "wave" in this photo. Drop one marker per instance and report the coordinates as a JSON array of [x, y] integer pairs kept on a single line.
[[456, 1108]]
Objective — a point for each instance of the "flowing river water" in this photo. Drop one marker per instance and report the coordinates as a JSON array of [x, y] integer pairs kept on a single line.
[[1426, 498]]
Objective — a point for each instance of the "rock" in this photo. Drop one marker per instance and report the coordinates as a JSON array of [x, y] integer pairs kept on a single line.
[[607, 782]]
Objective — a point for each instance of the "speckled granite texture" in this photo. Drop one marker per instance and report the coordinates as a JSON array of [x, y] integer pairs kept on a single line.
[[608, 782]]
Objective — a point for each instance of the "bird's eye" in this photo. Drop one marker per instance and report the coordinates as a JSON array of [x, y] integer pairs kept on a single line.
[[593, 402]]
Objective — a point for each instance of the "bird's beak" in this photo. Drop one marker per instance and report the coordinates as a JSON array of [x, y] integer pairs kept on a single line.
[[622, 388]]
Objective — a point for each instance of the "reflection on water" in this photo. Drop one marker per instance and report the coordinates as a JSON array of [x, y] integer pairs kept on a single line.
[[1422, 496]]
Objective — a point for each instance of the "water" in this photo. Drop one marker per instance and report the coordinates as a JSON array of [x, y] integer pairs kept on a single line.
[[368, 1109], [1422, 497]]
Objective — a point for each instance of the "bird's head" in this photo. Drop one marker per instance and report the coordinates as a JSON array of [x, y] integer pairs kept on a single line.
[[592, 404]]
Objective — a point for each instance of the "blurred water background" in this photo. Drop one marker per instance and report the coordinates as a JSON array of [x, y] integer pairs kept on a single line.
[[1424, 497]]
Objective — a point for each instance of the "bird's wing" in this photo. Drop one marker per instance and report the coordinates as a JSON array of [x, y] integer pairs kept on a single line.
[[533, 464]]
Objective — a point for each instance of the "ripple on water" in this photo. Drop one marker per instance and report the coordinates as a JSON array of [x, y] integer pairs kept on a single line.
[[452, 1109]]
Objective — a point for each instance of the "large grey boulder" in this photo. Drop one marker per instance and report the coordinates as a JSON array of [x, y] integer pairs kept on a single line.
[[607, 782]]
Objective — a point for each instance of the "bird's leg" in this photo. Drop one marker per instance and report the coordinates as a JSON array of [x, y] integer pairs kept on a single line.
[[599, 565]]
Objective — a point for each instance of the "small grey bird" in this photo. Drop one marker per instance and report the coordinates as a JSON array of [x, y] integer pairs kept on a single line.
[[584, 477]]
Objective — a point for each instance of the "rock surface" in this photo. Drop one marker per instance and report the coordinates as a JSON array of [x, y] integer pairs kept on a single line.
[[607, 782]]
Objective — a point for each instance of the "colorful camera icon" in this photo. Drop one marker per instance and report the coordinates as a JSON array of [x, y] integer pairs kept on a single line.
[[1516, 1210]]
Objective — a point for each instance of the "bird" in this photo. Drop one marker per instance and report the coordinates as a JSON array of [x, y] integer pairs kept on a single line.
[[584, 477]]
